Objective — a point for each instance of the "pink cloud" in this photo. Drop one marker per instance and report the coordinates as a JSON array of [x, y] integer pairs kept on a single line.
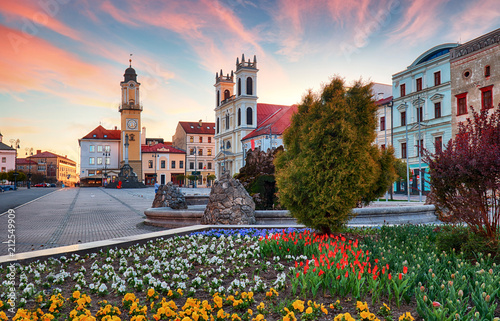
[[36, 15], [421, 21], [480, 18]]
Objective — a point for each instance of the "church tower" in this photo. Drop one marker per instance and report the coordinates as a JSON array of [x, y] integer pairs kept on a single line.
[[246, 95], [130, 110]]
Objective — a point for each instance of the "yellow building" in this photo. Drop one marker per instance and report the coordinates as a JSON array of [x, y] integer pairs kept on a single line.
[[54, 168], [130, 110], [162, 163]]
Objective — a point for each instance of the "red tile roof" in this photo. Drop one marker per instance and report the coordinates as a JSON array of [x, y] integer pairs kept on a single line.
[[193, 127], [266, 110], [99, 132], [25, 161], [383, 101], [279, 120], [49, 155], [161, 148]]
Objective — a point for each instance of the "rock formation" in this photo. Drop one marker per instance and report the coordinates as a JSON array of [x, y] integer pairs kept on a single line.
[[169, 196], [229, 203]]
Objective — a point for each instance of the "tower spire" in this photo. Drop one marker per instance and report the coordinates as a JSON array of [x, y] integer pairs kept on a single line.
[[130, 61]]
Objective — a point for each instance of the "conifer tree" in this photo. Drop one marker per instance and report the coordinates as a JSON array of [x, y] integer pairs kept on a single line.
[[330, 163]]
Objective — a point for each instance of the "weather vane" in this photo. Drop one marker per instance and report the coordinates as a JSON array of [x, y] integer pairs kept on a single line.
[[130, 60]]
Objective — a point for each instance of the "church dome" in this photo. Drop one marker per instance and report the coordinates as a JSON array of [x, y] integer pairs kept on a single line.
[[130, 74]]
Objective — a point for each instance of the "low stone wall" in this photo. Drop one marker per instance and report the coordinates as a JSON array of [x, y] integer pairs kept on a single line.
[[371, 216]]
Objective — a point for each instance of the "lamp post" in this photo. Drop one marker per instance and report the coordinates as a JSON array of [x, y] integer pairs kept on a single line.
[[195, 165], [15, 143], [155, 156], [106, 154], [420, 112], [29, 152], [406, 153]]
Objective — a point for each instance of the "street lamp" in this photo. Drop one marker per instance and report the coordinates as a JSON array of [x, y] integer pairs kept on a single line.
[[106, 154], [406, 153], [29, 152], [15, 143], [420, 140]]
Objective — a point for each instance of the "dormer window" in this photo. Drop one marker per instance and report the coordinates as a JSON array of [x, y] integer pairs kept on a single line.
[[105, 136], [94, 135]]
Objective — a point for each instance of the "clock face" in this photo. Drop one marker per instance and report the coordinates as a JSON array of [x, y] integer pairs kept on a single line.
[[131, 85], [131, 123]]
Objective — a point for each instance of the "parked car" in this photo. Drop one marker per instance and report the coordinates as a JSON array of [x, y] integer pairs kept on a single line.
[[7, 187], [39, 185], [52, 185]]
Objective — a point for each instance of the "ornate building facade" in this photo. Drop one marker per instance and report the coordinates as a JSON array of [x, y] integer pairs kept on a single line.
[[475, 76]]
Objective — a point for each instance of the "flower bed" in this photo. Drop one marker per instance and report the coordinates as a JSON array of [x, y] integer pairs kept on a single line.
[[390, 274]]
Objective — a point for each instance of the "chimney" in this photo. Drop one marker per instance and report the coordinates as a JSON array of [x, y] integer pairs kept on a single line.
[[116, 127], [38, 151], [199, 122], [1, 136]]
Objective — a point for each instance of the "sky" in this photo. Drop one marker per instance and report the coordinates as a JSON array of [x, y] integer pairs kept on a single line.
[[62, 61]]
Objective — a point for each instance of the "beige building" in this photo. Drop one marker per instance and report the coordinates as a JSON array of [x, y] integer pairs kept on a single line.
[[162, 163], [55, 168], [384, 128], [475, 76], [197, 139]]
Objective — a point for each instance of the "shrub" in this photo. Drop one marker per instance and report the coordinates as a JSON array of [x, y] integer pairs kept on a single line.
[[330, 163], [465, 176], [451, 237]]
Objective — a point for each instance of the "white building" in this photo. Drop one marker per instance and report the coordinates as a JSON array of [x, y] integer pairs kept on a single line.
[[7, 157], [99, 156]]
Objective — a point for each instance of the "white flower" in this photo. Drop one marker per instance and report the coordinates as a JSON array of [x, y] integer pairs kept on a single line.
[[103, 288]]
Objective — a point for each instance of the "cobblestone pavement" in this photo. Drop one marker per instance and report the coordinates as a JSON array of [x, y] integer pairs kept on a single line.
[[78, 215]]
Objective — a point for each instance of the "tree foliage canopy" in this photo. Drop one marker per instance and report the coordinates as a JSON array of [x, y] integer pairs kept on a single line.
[[330, 163]]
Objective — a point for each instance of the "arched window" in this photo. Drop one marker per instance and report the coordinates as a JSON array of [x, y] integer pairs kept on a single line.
[[217, 125], [239, 116], [226, 94], [228, 145], [218, 98], [227, 121], [249, 116], [249, 86], [239, 86]]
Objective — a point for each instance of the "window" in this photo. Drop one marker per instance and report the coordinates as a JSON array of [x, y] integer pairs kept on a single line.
[[420, 146], [419, 84], [209, 140], [163, 164], [403, 118], [437, 78], [461, 104], [218, 98], [91, 148], [487, 97], [200, 165], [382, 123], [226, 94], [249, 86], [402, 89], [150, 164], [108, 161], [4, 169], [239, 86], [227, 121], [487, 71], [209, 152], [91, 173], [209, 165], [91, 161], [191, 165], [228, 145], [438, 144], [200, 152], [181, 164], [191, 139], [239, 116], [437, 110], [420, 114], [217, 125], [99, 160], [191, 151], [107, 148], [249, 116], [201, 139], [403, 150], [99, 149], [4, 159]]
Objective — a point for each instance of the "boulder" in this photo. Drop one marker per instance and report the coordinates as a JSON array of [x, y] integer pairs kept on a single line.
[[170, 196], [229, 203]]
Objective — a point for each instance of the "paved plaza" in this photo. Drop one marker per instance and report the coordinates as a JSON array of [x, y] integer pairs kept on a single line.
[[78, 215]]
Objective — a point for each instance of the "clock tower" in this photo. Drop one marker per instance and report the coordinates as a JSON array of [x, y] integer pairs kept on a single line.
[[130, 110]]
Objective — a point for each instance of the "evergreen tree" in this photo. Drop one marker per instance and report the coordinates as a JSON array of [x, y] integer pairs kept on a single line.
[[330, 163]]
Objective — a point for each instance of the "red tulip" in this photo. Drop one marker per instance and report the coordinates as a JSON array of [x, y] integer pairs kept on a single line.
[[436, 304], [405, 269]]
